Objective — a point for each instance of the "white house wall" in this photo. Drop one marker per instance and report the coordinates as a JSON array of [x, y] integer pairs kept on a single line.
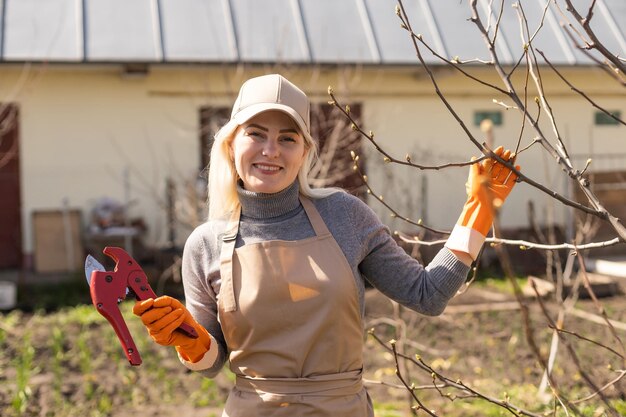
[[82, 127]]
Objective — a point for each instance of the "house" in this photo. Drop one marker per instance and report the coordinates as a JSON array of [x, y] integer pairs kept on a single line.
[[117, 99]]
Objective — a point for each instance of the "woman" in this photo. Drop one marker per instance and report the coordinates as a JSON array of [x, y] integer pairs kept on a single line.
[[274, 281]]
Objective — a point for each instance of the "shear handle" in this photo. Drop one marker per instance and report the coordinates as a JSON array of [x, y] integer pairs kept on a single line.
[[137, 281], [106, 289]]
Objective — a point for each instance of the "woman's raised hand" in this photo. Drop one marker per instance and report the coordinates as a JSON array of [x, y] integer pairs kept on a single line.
[[488, 185]]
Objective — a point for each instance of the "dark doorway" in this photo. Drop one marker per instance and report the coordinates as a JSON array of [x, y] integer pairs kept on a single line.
[[10, 209], [337, 140]]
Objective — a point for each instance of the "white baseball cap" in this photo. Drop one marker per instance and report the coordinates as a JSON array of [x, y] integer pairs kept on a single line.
[[272, 92]]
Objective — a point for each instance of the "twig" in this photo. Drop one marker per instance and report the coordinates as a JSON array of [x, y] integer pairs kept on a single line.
[[597, 303], [410, 388], [586, 339], [456, 384], [602, 213], [621, 375], [387, 157], [560, 155], [522, 244], [580, 92], [572, 353], [388, 384], [381, 199], [595, 43]]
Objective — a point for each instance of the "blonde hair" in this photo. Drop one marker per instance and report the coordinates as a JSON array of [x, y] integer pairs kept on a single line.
[[222, 188]]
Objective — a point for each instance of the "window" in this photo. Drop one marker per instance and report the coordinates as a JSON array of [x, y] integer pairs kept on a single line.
[[494, 116], [602, 119]]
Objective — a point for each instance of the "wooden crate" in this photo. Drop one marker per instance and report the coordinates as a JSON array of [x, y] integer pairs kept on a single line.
[[58, 241]]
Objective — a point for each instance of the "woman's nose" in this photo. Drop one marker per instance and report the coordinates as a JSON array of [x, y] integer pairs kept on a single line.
[[271, 149]]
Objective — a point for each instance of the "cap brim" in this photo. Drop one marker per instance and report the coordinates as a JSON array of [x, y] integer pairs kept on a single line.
[[249, 112]]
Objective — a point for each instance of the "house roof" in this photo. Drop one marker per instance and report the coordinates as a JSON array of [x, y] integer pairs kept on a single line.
[[290, 31]]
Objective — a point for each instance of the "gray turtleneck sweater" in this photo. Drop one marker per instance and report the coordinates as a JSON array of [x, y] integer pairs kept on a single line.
[[366, 243]]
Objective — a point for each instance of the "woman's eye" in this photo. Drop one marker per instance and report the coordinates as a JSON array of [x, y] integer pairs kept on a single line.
[[288, 139]]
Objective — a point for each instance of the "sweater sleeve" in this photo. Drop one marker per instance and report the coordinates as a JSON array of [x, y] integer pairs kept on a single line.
[[201, 300], [399, 276]]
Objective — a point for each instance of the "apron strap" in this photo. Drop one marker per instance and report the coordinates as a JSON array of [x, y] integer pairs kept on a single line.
[[314, 217], [227, 289]]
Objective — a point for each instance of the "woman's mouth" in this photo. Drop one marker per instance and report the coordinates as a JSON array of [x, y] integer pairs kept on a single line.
[[269, 168]]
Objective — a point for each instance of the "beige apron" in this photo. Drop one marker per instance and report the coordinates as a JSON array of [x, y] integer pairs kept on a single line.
[[290, 315]]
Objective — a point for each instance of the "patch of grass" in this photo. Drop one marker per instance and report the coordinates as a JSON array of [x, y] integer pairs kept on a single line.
[[24, 367], [388, 409], [206, 394], [57, 345], [502, 285]]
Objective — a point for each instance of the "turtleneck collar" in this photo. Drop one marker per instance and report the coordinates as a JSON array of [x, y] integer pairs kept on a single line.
[[265, 206]]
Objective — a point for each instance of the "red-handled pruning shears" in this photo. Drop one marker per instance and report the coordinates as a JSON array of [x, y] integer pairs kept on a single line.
[[109, 288]]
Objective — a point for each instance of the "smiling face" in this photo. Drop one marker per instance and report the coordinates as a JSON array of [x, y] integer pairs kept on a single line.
[[268, 151]]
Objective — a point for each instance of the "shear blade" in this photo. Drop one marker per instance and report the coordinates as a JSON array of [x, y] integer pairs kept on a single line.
[[92, 264]]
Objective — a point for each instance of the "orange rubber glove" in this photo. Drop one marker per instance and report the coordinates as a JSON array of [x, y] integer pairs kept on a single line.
[[488, 185], [165, 314]]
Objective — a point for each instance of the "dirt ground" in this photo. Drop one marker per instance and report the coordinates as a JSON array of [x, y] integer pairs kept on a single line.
[[69, 362]]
